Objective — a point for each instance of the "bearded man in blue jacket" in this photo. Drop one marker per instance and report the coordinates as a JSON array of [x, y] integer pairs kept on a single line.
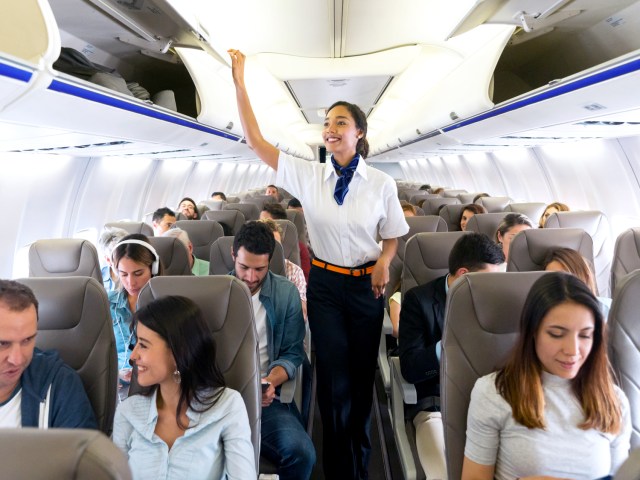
[[37, 389]]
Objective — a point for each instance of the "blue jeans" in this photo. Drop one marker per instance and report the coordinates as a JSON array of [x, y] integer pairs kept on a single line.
[[285, 442]]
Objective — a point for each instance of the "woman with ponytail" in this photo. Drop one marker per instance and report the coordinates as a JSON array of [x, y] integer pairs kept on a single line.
[[347, 205]]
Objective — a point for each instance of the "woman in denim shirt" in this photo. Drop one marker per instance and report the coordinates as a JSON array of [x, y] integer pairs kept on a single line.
[[135, 261], [189, 425]]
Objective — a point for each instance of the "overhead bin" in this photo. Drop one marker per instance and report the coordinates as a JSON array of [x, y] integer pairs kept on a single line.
[[42, 109]]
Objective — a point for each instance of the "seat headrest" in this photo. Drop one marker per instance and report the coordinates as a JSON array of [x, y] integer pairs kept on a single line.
[[529, 248], [62, 257]]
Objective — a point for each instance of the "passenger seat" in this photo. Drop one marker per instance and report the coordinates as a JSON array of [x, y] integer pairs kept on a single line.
[[64, 257]]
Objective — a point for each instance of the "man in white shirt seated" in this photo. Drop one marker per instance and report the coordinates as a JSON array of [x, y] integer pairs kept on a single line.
[[37, 389], [280, 327]]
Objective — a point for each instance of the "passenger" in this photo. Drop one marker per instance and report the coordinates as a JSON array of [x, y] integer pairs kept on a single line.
[[198, 266], [468, 212], [438, 191], [275, 211], [408, 209], [511, 225], [109, 237], [272, 191], [218, 196], [37, 389], [555, 395], [421, 326], [188, 208], [294, 204], [188, 425], [292, 271], [425, 187], [136, 261], [550, 210], [163, 219], [568, 260], [346, 290], [280, 326]]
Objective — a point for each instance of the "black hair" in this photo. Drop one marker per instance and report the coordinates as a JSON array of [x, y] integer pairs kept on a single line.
[[294, 203], [256, 238], [181, 324], [473, 251], [362, 147], [276, 211], [511, 220], [16, 296], [426, 187], [273, 186], [161, 212], [195, 205], [219, 194]]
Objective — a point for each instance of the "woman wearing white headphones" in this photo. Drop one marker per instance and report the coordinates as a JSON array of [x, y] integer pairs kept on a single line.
[[135, 261]]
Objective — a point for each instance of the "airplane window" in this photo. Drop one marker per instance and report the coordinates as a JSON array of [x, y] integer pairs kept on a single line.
[[21, 262]]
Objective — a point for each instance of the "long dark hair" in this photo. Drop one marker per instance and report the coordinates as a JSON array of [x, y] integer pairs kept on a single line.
[[520, 382], [180, 323], [362, 147]]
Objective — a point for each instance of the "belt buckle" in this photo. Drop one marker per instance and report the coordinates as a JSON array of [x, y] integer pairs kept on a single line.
[[355, 272]]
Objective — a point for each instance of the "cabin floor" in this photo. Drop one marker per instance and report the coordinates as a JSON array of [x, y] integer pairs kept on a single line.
[[385, 463]]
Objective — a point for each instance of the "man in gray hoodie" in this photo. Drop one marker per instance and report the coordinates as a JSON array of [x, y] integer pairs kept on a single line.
[[37, 389]]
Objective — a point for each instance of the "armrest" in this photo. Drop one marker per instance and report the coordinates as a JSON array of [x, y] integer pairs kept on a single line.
[[408, 390]]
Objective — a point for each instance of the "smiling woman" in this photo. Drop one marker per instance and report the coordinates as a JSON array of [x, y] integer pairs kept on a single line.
[[569, 400]]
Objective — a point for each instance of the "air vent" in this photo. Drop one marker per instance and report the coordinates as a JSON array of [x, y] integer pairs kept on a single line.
[[66, 147]]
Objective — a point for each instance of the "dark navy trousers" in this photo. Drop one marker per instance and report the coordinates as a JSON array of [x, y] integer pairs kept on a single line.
[[345, 321]]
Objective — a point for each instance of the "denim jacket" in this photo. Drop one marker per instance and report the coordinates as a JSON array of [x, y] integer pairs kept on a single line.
[[285, 323]]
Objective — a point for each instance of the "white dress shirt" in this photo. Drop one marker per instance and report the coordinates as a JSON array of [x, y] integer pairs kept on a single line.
[[346, 234]]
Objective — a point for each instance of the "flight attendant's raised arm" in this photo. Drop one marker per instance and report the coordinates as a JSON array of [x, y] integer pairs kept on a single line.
[[265, 151]]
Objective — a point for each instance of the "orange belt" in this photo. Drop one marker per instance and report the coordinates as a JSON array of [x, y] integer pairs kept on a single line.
[[354, 272]]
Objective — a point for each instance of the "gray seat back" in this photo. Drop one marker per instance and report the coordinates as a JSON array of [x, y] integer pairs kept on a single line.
[[595, 224], [260, 201], [626, 255], [624, 344], [467, 197], [407, 193], [202, 235], [529, 248], [133, 227], [424, 195], [290, 240], [451, 214], [630, 469], [427, 223], [432, 205], [232, 219], [61, 453], [452, 193], [486, 223], [533, 210], [222, 261], [226, 304], [64, 257], [426, 257], [213, 204], [74, 319], [297, 217], [482, 323], [494, 204], [249, 210], [173, 254]]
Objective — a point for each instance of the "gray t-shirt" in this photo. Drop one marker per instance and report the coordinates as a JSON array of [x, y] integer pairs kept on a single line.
[[561, 450]]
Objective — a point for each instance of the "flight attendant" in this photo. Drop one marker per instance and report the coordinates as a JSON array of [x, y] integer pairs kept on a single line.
[[347, 204]]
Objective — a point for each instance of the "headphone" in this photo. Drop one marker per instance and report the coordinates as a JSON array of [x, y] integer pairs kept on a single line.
[[155, 266]]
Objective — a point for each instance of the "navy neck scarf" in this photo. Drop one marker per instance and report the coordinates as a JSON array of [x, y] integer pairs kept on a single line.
[[346, 174]]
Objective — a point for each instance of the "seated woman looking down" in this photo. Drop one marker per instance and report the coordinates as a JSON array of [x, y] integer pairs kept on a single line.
[[135, 261], [189, 425], [511, 225], [554, 409]]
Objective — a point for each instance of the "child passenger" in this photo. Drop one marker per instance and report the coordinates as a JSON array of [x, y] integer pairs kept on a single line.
[[189, 425], [554, 409]]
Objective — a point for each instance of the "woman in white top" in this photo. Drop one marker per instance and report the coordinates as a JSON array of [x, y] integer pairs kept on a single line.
[[188, 425], [347, 205], [554, 409]]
